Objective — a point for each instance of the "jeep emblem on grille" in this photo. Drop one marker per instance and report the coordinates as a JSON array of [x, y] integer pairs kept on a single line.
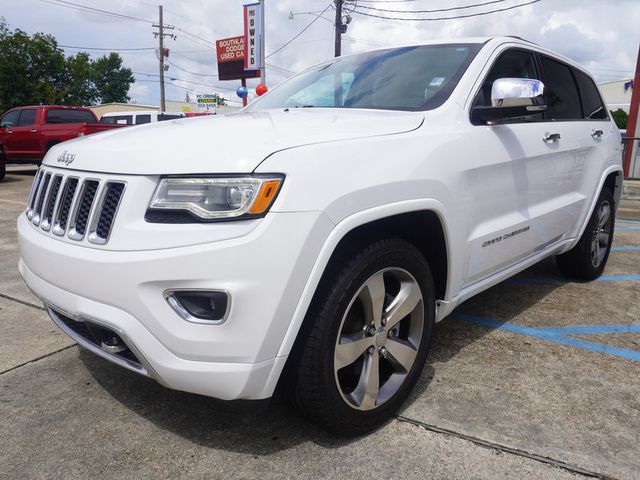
[[66, 157]]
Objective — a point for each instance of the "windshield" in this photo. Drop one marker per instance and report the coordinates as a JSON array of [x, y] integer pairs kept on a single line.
[[407, 78]]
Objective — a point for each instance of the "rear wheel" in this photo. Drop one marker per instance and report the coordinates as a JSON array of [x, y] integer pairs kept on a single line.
[[366, 339], [587, 260]]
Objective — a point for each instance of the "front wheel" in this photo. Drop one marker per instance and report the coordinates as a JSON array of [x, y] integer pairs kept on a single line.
[[366, 339], [586, 261]]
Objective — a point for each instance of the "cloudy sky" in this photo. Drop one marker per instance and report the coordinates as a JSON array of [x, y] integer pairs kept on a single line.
[[602, 35]]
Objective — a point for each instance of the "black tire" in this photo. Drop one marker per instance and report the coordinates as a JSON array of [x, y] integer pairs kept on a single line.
[[3, 165], [581, 262], [311, 379]]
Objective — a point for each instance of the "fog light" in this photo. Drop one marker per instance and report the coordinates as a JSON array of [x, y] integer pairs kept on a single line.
[[199, 306]]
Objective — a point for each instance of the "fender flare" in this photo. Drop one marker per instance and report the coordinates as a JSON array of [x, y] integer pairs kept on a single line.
[[603, 178], [341, 229]]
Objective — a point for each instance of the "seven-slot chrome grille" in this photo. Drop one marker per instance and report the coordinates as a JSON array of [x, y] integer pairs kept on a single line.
[[68, 204]]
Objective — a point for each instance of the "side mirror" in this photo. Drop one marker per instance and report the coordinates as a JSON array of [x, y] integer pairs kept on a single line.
[[511, 98]]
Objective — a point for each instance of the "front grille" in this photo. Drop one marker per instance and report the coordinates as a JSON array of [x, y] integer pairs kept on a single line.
[[108, 210], [74, 206], [84, 208]]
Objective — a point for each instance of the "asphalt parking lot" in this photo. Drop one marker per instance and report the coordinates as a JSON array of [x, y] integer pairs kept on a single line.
[[535, 377]]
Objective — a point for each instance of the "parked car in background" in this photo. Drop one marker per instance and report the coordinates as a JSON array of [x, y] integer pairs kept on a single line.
[[138, 117], [341, 215], [27, 133]]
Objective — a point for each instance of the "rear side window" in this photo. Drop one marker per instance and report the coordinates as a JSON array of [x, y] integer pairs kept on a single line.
[[592, 106], [58, 115], [27, 117], [10, 119], [140, 119], [563, 101]]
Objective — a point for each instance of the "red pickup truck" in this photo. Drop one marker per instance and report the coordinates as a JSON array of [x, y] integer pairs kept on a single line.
[[27, 133]]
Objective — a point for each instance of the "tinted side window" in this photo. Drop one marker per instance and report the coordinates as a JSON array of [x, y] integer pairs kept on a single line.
[[10, 119], [118, 120], [511, 64], [592, 105], [563, 101], [27, 117], [140, 119], [58, 115]]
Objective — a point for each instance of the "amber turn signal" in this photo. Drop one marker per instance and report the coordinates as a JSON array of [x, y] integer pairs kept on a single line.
[[265, 196]]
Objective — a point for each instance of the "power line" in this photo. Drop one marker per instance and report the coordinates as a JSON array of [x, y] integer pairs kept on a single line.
[[190, 72], [446, 18], [299, 33], [98, 11], [187, 81], [184, 88], [439, 10], [108, 49]]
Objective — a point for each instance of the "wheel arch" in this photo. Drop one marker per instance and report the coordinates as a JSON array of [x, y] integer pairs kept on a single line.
[[397, 219], [612, 178]]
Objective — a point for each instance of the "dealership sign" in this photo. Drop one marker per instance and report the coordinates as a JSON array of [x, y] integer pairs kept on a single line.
[[207, 102], [253, 36], [231, 54]]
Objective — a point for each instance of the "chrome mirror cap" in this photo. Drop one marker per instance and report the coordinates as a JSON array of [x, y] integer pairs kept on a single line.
[[518, 92]]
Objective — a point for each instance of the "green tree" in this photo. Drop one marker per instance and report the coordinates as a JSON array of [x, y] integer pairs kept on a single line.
[[32, 68], [621, 118], [80, 88], [111, 79]]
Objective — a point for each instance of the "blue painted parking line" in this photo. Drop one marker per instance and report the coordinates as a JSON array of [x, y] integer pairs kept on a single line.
[[559, 334], [626, 228], [615, 278], [622, 249]]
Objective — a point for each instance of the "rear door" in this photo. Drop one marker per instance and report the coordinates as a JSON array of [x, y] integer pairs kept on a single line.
[[598, 140], [523, 180]]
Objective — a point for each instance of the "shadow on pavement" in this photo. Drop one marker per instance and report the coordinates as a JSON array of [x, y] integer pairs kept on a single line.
[[267, 428], [260, 428]]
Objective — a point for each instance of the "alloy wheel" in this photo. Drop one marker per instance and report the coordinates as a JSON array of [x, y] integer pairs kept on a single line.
[[379, 338], [601, 235]]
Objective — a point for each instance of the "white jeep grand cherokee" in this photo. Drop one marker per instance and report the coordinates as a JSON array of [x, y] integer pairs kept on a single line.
[[314, 238]]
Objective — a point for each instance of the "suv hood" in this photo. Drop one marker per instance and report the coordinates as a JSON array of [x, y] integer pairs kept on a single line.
[[231, 143]]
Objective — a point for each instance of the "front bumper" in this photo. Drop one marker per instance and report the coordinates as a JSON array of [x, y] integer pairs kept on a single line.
[[265, 272]]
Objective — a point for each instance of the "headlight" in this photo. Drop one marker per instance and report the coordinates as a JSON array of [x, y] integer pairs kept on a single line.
[[212, 198]]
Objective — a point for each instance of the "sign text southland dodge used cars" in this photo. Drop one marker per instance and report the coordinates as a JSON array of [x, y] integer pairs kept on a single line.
[[337, 218]]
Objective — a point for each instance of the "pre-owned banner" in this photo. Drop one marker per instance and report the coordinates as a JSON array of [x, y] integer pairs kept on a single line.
[[253, 35]]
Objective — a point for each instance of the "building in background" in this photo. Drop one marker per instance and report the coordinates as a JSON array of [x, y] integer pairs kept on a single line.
[[103, 108], [617, 94]]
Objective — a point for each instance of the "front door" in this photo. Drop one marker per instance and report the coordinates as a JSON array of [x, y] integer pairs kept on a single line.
[[25, 140]]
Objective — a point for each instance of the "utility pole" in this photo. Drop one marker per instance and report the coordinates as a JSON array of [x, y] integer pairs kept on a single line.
[[161, 53], [338, 26], [263, 65]]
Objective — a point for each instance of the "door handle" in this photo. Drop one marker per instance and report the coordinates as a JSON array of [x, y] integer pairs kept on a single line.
[[596, 134], [9, 131], [551, 137], [33, 130]]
